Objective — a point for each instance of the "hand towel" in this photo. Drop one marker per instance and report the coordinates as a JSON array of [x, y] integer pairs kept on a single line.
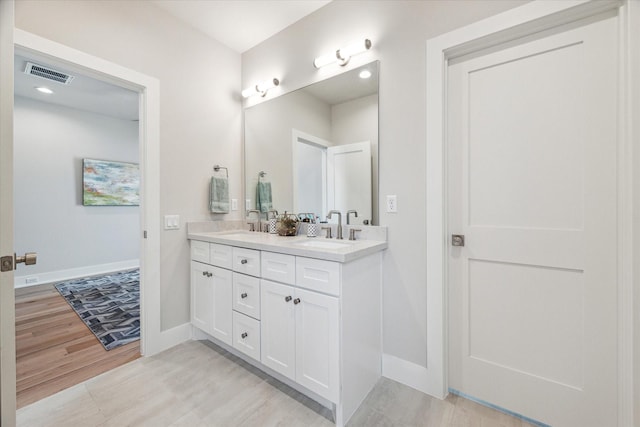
[[219, 195], [263, 196]]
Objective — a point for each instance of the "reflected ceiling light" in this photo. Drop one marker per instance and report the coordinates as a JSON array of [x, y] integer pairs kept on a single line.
[[43, 89], [342, 55], [364, 74], [261, 88]]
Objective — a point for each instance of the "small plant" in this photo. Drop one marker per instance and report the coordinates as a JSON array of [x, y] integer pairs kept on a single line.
[[288, 226]]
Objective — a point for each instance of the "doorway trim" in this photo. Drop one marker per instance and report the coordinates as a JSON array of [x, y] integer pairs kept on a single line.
[[302, 137], [514, 24], [151, 341]]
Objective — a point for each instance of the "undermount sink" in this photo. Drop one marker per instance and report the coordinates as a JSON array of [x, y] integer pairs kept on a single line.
[[322, 244]]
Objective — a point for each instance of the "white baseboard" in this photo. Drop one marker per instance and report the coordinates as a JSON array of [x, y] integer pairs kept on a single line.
[[167, 339], [409, 374], [73, 273]]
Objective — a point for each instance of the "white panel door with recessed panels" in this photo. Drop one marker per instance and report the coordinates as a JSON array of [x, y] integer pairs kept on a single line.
[[532, 187]]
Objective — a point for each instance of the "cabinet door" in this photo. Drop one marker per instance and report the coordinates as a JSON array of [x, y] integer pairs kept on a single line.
[[222, 325], [201, 296], [317, 341], [278, 327]]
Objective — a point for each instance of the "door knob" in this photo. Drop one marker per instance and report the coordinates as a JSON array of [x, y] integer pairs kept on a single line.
[[457, 240]]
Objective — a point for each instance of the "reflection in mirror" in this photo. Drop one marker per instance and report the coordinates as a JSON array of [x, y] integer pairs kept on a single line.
[[317, 148]]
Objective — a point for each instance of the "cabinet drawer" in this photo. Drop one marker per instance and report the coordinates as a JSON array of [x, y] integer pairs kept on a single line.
[[278, 267], [220, 255], [318, 275], [246, 335], [200, 251], [246, 295], [246, 261]]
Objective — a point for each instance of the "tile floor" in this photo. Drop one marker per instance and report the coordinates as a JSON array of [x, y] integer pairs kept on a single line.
[[198, 384]]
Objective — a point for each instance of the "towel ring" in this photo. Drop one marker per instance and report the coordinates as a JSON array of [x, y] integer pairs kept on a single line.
[[217, 168]]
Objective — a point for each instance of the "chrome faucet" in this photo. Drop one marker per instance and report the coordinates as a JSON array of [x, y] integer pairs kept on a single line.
[[258, 223], [352, 211], [339, 230]]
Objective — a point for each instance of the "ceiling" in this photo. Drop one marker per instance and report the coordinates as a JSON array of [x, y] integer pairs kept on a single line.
[[238, 24]]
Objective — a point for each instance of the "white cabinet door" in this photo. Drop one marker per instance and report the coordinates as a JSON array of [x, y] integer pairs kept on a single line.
[[222, 290], [278, 327], [201, 296], [317, 340]]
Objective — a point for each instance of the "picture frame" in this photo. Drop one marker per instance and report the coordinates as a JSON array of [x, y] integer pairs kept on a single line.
[[110, 183]]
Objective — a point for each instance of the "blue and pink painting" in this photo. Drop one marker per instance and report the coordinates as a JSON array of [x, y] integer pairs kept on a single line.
[[107, 183]]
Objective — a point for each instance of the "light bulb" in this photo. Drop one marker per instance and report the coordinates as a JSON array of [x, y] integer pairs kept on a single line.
[[44, 90]]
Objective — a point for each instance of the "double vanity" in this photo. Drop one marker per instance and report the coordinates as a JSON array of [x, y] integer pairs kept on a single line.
[[304, 310]]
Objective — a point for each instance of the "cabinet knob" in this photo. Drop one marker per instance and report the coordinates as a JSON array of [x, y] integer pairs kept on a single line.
[[244, 261], [296, 301], [209, 274], [244, 335], [204, 273], [287, 298], [243, 295]]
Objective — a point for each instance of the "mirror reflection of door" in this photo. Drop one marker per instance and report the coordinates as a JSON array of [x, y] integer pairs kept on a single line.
[[328, 176], [349, 179]]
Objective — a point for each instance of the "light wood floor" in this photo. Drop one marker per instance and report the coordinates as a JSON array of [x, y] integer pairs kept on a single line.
[[197, 384], [55, 350]]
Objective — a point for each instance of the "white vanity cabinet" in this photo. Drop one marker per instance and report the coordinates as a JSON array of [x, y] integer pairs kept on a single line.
[[300, 337], [210, 300], [312, 323]]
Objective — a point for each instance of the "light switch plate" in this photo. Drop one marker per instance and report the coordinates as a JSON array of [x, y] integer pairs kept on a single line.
[[172, 222], [234, 204], [392, 203], [247, 204]]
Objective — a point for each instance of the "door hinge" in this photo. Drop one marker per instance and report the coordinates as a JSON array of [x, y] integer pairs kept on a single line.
[[6, 263]]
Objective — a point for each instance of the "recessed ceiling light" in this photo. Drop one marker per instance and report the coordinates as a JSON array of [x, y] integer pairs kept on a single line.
[[365, 74], [44, 90]]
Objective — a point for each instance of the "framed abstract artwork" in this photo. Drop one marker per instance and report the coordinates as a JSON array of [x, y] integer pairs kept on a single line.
[[107, 183]]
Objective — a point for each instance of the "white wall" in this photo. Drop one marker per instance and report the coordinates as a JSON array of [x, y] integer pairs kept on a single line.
[[200, 114], [398, 30], [49, 144], [357, 121]]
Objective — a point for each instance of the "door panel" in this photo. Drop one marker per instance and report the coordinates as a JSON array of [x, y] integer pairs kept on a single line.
[[7, 297], [349, 178], [278, 347], [532, 186], [222, 283]]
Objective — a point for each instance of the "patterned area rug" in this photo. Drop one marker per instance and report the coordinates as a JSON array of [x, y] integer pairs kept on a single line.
[[109, 305]]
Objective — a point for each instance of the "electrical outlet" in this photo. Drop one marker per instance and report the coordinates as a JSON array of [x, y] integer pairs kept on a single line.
[[234, 204], [172, 222], [392, 203]]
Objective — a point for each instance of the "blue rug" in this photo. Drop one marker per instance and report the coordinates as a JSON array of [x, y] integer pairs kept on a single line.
[[109, 305]]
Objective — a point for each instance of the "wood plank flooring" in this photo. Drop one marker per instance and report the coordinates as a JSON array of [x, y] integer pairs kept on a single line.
[[198, 384], [54, 348]]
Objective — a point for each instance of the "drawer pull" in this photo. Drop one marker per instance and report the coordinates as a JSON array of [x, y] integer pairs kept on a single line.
[[243, 295], [287, 298], [244, 335], [244, 261], [296, 301], [204, 273]]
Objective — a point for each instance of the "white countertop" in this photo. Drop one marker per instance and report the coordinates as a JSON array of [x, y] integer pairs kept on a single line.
[[310, 247]]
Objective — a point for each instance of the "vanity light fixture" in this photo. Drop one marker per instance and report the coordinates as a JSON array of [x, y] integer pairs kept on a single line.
[[43, 89], [261, 88], [342, 55]]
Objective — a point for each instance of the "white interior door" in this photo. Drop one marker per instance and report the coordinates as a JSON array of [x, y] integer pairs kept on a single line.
[[532, 186], [7, 308], [349, 178]]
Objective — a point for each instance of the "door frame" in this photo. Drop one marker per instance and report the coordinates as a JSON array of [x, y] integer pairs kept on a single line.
[[149, 155], [520, 22], [297, 137]]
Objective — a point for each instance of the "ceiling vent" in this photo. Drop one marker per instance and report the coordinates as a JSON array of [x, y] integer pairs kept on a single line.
[[48, 73]]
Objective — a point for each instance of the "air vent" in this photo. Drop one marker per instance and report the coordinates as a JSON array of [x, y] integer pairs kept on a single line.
[[48, 73]]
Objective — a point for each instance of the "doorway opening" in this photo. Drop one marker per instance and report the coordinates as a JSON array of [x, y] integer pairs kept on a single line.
[[78, 308]]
